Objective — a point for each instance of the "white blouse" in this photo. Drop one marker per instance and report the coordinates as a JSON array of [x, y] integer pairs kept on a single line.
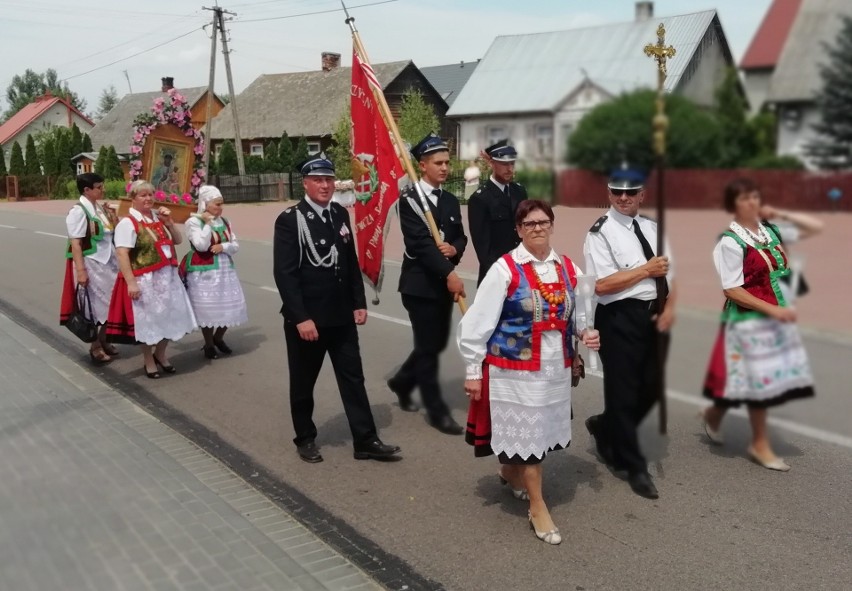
[[481, 319], [201, 236]]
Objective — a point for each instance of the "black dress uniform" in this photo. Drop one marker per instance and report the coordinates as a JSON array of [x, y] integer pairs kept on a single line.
[[630, 344], [491, 213], [318, 278], [423, 286]]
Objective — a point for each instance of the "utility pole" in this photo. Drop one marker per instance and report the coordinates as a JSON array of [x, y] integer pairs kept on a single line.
[[237, 139], [208, 144], [126, 75]]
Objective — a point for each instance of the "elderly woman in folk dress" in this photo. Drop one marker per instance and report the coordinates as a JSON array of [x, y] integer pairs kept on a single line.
[[518, 342], [211, 281], [91, 259], [758, 358], [149, 302]]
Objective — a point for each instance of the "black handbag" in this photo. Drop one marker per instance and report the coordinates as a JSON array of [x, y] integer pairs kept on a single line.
[[82, 321]]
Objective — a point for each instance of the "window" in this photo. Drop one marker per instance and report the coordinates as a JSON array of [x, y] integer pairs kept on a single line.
[[495, 133], [80, 168], [256, 150], [544, 140], [313, 147]]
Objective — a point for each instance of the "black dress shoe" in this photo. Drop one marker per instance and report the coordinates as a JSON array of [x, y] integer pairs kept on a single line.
[[210, 352], [602, 449], [446, 424], [374, 449], [309, 452], [405, 401], [643, 486], [220, 344]]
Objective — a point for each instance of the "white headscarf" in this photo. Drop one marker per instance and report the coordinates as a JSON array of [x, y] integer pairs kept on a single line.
[[206, 194]]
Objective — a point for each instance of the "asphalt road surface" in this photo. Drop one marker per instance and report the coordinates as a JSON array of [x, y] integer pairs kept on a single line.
[[721, 522]]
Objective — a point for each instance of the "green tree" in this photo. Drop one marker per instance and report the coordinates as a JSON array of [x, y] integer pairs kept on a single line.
[[76, 140], [285, 153], [255, 164], [16, 161], [763, 129], [63, 151], [108, 99], [48, 157], [270, 157], [112, 170], [736, 142], [227, 161], [622, 129], [2, 162], [31, 161], [87, 143], [25, 88], [101, 162], [417, 118], [301, 153], [833, 149], [341, 152]]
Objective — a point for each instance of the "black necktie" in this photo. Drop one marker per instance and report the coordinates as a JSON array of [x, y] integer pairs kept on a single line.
[[326, 217], [646, 248], [506, 191], [661, 282]]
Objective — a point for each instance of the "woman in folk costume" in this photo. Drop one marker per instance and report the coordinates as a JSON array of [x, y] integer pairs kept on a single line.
[[758, 358], [211, 281], [91, 261], [149, 303], [518, 343]]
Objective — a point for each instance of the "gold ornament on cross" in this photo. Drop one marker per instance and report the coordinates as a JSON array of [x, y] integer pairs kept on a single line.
[[661, 55]]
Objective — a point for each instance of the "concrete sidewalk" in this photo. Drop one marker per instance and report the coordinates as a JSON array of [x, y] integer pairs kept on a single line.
[[98, 494]]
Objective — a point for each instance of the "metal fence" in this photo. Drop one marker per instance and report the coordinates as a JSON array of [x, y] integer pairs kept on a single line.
[[259, 187]]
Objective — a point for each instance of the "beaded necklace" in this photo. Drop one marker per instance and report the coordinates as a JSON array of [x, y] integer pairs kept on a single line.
[[553, 297]]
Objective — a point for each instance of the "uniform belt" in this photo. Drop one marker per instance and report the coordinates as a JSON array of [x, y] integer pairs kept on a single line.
[[632, 303]]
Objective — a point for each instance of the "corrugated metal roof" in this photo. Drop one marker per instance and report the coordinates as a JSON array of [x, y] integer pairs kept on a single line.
[[534, 73], [796, 78], [449, 80], [300, 103], [116, 128], [768, 42]]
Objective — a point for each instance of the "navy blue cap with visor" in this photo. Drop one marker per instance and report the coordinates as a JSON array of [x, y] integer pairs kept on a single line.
[[428, 145], [502, 152], [316, 165], [626, 178]]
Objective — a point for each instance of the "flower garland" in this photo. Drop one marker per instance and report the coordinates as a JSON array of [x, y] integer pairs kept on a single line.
[[172, 109]]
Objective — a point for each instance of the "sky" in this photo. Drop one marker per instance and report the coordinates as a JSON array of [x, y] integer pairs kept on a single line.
[[80, 40]]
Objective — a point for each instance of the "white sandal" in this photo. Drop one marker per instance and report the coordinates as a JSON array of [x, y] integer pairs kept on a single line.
[[552, 537], [519, 493]]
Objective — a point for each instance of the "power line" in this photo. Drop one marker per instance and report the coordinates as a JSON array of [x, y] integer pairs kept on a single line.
[[276, 18], [67, 78]]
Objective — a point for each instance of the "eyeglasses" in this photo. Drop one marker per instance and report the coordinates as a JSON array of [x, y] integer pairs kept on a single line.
[[628, 192], [533, 224]]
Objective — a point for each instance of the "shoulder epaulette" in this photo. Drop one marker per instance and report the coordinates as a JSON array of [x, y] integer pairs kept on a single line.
[[596, 227], [647, 218], [290, 209]]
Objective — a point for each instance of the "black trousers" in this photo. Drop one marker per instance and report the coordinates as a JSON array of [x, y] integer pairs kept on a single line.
[[305, 360], [630, 353], [430, 323]]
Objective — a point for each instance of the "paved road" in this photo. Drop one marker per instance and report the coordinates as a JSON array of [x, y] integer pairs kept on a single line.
[[721, 522]]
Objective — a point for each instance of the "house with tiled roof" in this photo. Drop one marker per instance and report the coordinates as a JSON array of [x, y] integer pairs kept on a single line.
[[116, 127], [535, 88], [450, 79], [310, 104], [782, 63], [43, 113]]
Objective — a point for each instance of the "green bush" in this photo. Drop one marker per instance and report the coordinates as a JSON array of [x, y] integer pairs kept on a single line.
[[538, 183], [65, 187], [776, 162], [68, 189]]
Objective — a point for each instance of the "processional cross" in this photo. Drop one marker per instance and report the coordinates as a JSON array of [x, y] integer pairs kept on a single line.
[[661, 55]]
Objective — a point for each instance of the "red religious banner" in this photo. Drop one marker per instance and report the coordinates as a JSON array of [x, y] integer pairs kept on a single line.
[[376, 170]]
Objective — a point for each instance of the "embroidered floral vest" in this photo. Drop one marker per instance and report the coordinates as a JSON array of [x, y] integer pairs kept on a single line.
[[763, 265], [148, 256], [516, 342], [94, 234], [196, 261]]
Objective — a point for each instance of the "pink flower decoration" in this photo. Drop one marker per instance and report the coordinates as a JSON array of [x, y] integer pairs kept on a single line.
[[199, 149], [195, 181], [137, 164], [127, 187], [189, 132], [187, 198], [135, 150], [159, 196], [174, 198], [138, 137], [177, 97]]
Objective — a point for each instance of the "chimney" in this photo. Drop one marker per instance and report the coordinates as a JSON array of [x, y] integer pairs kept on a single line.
[[330, 61], [644, 11], [168, 84]]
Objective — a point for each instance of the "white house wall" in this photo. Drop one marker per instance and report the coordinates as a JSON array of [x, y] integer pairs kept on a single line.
[[757, 88], [57, 116], [795, 130], [706, 72], [476, 134]]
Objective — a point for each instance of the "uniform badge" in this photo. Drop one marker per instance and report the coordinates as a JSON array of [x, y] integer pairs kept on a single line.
[[345, 234], [452, 219], [322, 241], [310, 215]]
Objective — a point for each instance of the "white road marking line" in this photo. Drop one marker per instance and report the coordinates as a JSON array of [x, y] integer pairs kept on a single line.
[[49, 234], [10, 227], [793, 427]]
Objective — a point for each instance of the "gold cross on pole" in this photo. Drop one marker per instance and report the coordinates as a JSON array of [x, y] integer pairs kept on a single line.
[[661, 54]]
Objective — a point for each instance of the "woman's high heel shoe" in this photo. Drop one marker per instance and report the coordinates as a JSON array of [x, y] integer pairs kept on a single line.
[[520, 494], [99, 356], [210, 352], [154, 375], [776, 464], [552, 537], [220, 344], [165, 368]]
